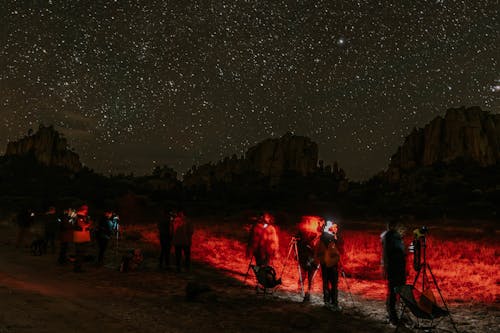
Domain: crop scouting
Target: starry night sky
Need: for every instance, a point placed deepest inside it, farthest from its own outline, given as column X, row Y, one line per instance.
column 134, row 84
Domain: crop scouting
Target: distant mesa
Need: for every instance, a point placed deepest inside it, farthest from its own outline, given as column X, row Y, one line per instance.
column 48, row 147
column 469, row 134
column 271, row 158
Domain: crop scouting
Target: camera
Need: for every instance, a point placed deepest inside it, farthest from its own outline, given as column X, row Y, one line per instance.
column 420, row 232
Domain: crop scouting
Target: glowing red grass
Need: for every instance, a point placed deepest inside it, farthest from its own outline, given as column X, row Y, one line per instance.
column 465, row 270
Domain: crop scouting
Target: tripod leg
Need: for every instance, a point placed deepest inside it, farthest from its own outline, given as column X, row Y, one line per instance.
column 300, row 272
column 290, row 248
column 442, row 298
column 400, row 316
column 314, row 274
column 248, row 270
column 347, row 285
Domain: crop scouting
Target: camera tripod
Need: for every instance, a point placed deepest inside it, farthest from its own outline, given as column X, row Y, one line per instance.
column 292, row 248
column 421, row 266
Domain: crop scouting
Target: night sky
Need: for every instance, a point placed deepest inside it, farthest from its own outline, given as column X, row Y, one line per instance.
column 134, row 84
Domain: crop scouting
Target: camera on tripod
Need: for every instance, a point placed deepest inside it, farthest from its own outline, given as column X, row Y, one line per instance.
column 417, row 245
column 420, row 232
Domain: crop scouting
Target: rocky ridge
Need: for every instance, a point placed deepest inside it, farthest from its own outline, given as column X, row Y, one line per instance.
column 48, row 147
column 271, row 158
column 463, row 133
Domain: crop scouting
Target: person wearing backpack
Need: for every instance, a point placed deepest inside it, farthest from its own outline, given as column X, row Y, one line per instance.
column 328, row 252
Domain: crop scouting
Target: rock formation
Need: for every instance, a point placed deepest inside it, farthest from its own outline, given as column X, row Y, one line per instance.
column 271, row 159
column 290, row 153
column 464, row 133
column 48, row 147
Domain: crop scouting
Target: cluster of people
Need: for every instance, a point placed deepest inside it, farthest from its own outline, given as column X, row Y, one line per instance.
column 72, row 226
column 320, row 247
column 175, row 230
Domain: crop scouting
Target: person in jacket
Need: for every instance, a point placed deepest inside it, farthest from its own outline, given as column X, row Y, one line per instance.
column 65, row 234
column 165, row 231
column 181, row 239
column 263, row 240
column 307, row 238
column 394, row 265
column 51, row 226
column 25, row 219
column 103, row 233
column 81, row 236
column 328, row 252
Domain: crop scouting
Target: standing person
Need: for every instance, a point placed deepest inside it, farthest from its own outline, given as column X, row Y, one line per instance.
column 103, row 233
column 51, row 226
column 394, row 265
column 81, row 236
column 307, row 238
column 328, row 252
column 263, row 240
column 165, row 230
column 181, row 238
column 65, row 234
column 25, row 219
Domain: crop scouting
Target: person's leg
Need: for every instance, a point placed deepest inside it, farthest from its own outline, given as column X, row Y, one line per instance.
column 178, row 257
column 391, row 302
column 334, row 299
column 162, row 252
column 307, row 274
column 168, row 246
column 78, row 257
column 324, row 278
column 63, row 252
column 103, row 245
column 52, row 243
column 187, row 256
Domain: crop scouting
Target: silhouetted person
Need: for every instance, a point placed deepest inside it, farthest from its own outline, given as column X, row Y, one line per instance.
column 182, row 235
column 165, row 231
column 307, row 240
column 65, row 234
column 51, row 227
column 25, row 219
column 394, row 264
column 81, row 235
column 328, row 252
column 263, row 241
column 103, row 233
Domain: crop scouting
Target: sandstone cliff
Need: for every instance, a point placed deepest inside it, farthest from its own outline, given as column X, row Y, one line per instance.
column 48, row 147
column 290, row 153
column 271, row 158
column 463, row 133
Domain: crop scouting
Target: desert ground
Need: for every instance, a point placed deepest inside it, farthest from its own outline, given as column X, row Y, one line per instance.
column 40, row 296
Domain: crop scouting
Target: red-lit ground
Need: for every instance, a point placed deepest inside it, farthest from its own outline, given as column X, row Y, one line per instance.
column 39, row 296
column 466, row 270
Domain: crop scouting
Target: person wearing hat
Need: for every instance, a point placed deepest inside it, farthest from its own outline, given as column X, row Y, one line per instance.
column 328, row 252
